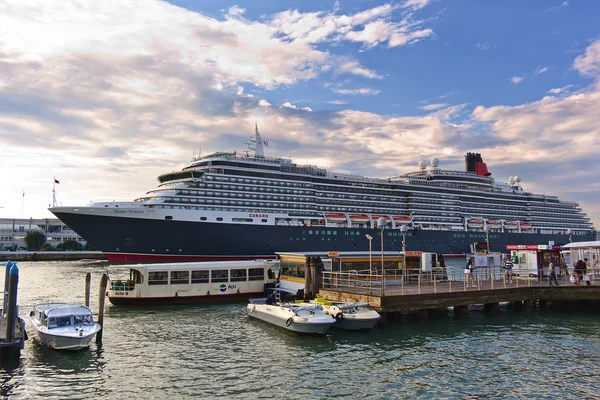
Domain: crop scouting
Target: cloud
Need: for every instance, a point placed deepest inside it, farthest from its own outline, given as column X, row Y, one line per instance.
column 293, row 107
column 588, row 64
column 361, row 91
column 416, row 4
column 236, row 11
column 431, row 107
column 371, row 27
column 557, row 7
column 516, row 79
column 445, row 95
column 563, row 89
column 540, row 70
column 337, row 102
column 482, row 46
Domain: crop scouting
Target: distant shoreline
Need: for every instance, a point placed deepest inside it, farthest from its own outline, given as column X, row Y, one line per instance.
column 51, row 255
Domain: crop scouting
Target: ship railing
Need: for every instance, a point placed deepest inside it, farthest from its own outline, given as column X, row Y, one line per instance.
column 446, row 280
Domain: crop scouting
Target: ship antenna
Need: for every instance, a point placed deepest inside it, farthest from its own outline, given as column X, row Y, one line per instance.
column 256, row 143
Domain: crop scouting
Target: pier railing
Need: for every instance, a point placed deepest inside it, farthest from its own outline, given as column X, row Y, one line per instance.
column 398, row 282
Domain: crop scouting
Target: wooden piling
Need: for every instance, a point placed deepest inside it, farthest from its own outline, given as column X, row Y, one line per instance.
column 88, row 280
column 101, row 297
column 11, row 311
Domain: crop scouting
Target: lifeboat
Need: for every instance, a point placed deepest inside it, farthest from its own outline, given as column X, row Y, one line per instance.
column 401, row 220
column 360, row 218
column 335, row 217
column 510, row 224
column 475, row 223
column 526, row 225
column 494, row 224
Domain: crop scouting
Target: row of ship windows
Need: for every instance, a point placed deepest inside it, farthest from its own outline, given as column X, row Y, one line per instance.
column 415, row 201
column 304, row 185
column 257, row 181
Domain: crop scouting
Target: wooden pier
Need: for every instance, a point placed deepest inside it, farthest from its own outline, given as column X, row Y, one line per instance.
column 418, row 297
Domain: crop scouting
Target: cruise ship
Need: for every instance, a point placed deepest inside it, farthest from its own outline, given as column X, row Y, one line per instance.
column 245, row 205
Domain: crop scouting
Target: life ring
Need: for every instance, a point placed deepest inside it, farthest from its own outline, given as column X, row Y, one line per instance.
column 339, row 316
column 289, row 321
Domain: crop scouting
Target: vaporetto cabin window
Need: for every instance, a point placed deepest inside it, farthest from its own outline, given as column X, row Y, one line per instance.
column 238, row 275
column 256, row 274
column 158, row 278
column 180, row 277
column 200, row 277
column 219, row 275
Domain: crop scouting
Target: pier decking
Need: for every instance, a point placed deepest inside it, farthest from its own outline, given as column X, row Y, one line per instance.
column 415, row 297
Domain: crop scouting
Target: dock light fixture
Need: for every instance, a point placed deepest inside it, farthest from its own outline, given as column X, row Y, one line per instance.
column 381, row 223
column 370, row 238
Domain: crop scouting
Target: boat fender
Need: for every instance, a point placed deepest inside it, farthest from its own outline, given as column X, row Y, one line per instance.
column 289, row 321
column 339, row 316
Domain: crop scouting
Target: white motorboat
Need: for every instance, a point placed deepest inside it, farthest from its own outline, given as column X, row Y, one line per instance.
column 64, row 326
column 302, row 318
column 352, row 316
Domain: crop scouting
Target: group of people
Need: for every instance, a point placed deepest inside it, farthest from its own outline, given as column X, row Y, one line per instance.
column 580, row 272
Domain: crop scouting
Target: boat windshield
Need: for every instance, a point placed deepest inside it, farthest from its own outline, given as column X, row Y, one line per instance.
column 83, row 320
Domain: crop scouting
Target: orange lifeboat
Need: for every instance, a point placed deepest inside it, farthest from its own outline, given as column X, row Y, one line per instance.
column 510, row 224
column 401, row 220
column 475, row 223
column 526, row 225
column 335, row 217
column 494, row 224
column 360, row 218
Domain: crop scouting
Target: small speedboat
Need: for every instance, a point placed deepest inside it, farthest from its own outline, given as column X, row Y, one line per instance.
column 352, row 316
column 302, row 318
column 64, row 326
column 357, row 316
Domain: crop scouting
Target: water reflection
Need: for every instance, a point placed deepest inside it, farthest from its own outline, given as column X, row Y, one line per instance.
column 217, row 351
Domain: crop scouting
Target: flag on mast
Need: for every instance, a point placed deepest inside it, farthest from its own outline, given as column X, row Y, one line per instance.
column 56, row 181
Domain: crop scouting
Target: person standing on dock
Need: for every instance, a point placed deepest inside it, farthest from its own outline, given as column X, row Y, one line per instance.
column 469, row 272
column 552, row 274
column 508, row 266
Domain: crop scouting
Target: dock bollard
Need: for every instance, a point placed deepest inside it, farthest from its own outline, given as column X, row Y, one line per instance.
column 101, row 297
column 11, row 312
column 88, row 279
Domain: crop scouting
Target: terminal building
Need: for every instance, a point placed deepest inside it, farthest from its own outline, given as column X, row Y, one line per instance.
column 14, row 230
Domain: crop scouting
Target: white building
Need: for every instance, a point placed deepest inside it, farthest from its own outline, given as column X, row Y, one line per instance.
column 14, row 230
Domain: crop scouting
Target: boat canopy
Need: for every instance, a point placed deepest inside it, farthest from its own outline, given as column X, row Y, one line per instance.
column 583, row 245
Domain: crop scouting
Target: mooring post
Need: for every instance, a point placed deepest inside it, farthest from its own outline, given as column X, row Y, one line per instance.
column 88, row 280
column 101, row 297
column 6, row 279
column 11, row 312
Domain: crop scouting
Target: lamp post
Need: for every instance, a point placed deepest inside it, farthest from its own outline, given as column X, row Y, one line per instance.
column 487, row 239
column 403, row 230
column 370, row 238
column 570, row 232
column 381, row 223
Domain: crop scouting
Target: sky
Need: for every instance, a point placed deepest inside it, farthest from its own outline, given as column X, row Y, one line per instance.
column 105, row 96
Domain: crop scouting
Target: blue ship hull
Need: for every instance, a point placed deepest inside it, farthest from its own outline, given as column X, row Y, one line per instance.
column 131, row 240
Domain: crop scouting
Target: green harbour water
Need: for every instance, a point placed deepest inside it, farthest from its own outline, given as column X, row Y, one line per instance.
column 209, row 352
